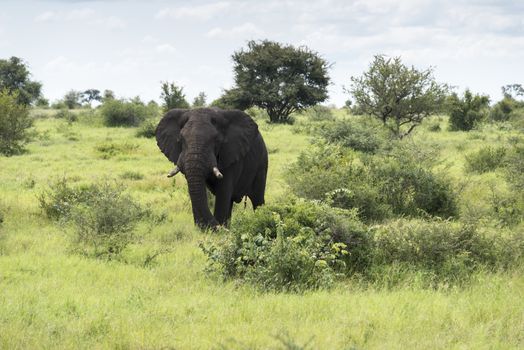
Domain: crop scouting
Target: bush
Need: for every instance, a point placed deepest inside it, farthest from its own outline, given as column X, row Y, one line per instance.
column 14, row 124
column 379, row 186
column 124, row 113
column 485, row 159
column 64, row 113
column 319, row 113
column 467, row 112
column 102, row 215
column 515, row 167
column 147, row 129
column 110, row 149
column 361, row 134
column 502, row 109
column 444, row 251
column 291, row 246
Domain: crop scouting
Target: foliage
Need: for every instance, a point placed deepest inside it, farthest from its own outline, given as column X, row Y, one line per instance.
column 147, row 129
column 110, row 149
column 513, row 90
column 91, row 95
column 360, row 134
column 399, row 96
column 172, row 96
column 73, row 99
column 291, row 246
column 379, row 187
column 125, row 113
column 104, row 217
column 200, row 100
column 14, row 124
column 319, row 113
column 14, row 77
column 445, row 251
column 279, row 78
column 468, row 111
column 515, row 167
column 486, row 159
column 64, row 113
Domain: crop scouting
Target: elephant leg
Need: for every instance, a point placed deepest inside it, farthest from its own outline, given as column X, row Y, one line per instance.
column 223, row 204
column 258, row 190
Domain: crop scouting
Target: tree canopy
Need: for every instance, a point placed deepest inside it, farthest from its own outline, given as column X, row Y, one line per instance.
column 400, row 96
column 173, row 96
column 279, row 78
column 15, row 77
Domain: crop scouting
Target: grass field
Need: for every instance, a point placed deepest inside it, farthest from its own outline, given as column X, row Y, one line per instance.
column 53, row 298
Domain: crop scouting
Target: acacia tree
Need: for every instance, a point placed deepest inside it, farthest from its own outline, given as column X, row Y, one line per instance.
column 400, row 96
column 279, row 78
column 14, row 77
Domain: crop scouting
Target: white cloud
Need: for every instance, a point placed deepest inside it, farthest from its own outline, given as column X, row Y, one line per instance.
column 246, row 30
column 201, row 12
column 165, row 48
column 111, row 22
column 73, row 15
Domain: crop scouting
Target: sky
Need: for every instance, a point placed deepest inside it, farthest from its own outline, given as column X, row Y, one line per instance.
column 131, row 46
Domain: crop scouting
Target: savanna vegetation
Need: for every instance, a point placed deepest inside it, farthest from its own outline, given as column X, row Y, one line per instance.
column 376, row 234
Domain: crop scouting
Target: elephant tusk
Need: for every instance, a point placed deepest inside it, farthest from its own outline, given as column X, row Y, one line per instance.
column 217, row 173
column 173, row 172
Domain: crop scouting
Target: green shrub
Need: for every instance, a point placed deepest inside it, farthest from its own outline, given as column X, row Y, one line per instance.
column 378, row 186
column 110, row 149
column 434, row 127
column 502, row 109
column 467, row 112
column 124, row 113
column 319, row 113
column 65, row 113
column 290, row 246
column 361, row 134
column 515, row 167
column 103, row 216
column 132, row 175
column 444, row 251
column 485, row 159
column 14, row 124
column 147, row 129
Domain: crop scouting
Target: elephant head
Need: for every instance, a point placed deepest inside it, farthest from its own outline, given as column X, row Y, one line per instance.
column 204, row 143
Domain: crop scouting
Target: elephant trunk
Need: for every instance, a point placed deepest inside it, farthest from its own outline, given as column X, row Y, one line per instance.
column 198, row 195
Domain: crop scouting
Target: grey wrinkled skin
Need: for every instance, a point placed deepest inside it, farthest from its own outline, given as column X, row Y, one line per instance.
column 199, row 140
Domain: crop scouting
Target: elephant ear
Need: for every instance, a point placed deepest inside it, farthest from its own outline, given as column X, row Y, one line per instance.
column 168, row 133
column 240, row 133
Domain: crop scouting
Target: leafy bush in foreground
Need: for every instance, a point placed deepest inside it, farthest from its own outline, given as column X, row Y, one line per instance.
column 485, row 159
column 299, row 245
column 14, row 124
column 292, row 246
column 102, row 215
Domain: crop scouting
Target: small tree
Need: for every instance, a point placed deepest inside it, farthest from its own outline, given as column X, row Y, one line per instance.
column 279, row 78
column 14, row 77
column 467, row 111
column 200, row 100
column 513, row 90
column 14, row 124
column 91, row 95
column 400, row 96
column 173, row 96
column 108, row 95
column 72, row 99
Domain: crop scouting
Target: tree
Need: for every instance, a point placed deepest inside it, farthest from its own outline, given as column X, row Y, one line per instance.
column 279, row 78
column 72, row 99
column 91, row 95
column 14, row 123
column 200, row 100
column 400, row 96
column 14, row 76
column 108, row 95
column 467, row 111
column 173, row 96
column 513, row 90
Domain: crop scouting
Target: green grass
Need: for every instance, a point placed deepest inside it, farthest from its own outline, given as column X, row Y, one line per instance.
column 53, row 298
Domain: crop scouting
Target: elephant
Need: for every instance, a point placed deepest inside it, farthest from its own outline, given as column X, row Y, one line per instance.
column 220, row 149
